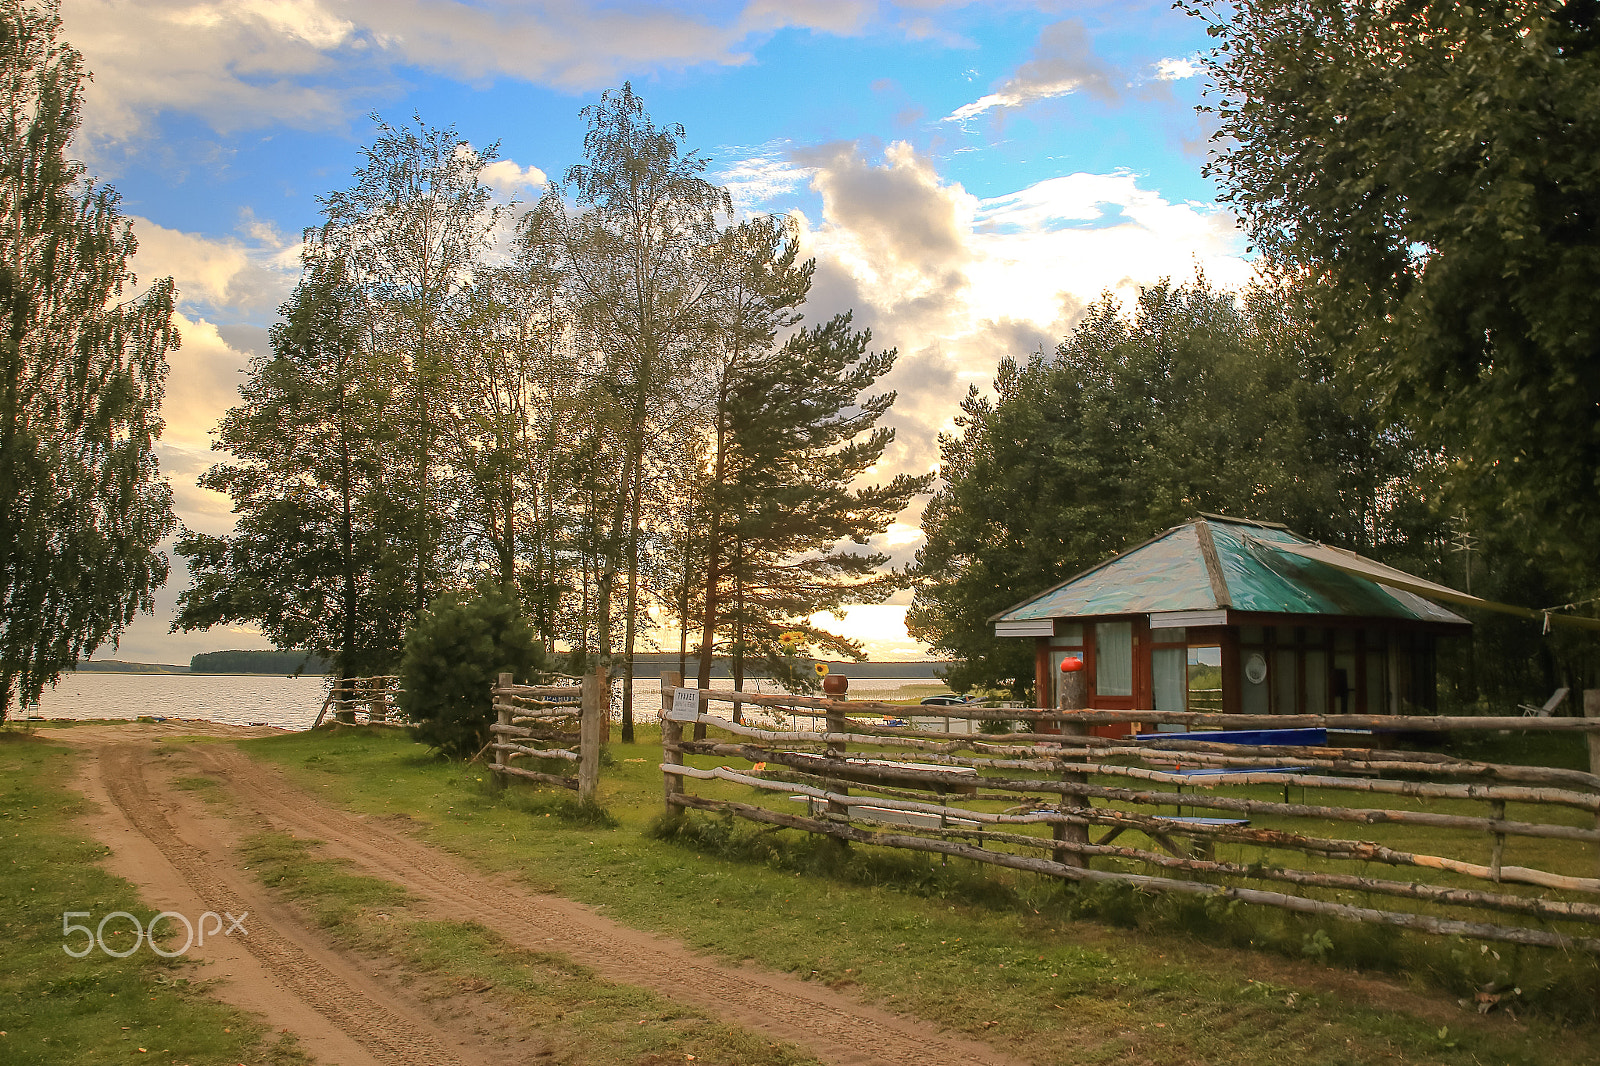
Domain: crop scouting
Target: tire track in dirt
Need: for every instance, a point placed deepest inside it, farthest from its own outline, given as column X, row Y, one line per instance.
column 831, row 1026
column 354, row 1005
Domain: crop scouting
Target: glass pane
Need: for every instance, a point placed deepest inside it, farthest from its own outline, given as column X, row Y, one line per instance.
column 1316, row 682
column 1344, row 683
column 1205, row 678
column 1068, row 635
column 1113, row 658
column 1377, row 682
column 1167, row 673
column 1286, row 682
column 1169, row 636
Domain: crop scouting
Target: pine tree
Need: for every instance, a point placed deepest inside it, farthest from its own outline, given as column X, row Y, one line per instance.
column 803, row 434
column 82, row 369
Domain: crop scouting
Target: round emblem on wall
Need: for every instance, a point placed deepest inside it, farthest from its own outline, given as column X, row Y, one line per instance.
column 1255, row 668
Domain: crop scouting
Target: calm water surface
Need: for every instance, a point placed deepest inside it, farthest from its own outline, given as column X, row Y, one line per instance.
column 285, row 702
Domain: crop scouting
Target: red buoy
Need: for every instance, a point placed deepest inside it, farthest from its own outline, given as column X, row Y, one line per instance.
column 1071, row 664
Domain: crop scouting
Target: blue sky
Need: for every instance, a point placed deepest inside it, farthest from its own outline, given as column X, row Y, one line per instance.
column 968, row 175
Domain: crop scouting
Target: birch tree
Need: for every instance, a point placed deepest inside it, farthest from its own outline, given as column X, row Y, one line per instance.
column 642, row 215
column 82, row 370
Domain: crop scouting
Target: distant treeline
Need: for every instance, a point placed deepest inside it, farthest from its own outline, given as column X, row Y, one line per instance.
column 116, row 666
column 257, row 662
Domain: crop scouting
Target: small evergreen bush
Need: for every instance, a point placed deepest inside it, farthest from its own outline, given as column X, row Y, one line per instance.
column 454, row 653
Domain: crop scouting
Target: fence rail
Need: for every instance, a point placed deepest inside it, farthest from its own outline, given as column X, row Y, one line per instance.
column 1411, row 839
column 553, row 722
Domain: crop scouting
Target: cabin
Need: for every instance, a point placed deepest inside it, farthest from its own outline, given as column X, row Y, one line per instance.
column 1224, row 614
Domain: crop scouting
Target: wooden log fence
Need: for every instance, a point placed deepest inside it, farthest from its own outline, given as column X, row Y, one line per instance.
column 363, row 700
column 553, row 722
column 1095, row 809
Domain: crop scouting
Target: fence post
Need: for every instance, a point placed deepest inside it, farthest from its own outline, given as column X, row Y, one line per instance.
column 837, row 688
column 1074, row 695
column 671, row 738
column 596, row 704
column 1591, row 709
column 503, row 713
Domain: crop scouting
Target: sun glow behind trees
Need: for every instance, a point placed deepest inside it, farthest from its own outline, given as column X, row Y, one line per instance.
column 601, row 403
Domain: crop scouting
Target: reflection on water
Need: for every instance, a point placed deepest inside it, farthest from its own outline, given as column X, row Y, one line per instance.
column 293, row 702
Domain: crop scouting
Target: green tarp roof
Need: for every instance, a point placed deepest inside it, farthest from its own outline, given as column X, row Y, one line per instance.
column 1217, row 563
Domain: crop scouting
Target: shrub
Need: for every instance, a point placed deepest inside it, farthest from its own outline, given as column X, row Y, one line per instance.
column 453, row 655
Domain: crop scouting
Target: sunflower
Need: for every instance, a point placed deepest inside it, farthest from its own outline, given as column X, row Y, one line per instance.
column 791, row 638
column 821, row 669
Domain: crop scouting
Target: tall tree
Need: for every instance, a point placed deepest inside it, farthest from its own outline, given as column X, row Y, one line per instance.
column 319, row 555
column 1432, row 167
column 1198, row 401
column 757, row 287
column 413, row 230
column 631, row 254
column 82, row 368
column 803, row 435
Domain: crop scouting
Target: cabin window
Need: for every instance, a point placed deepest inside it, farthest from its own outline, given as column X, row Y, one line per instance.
column 1377, row 682
column 1168, row 676
column 1113, row 658
column 1068, row 635
column 1316, row 681
column 1285, row 680
column 1205, row 677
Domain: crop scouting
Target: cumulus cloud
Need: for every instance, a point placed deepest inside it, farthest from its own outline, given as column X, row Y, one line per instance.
column 1177, row 69
column 506, row 177
column 307, row 63
column 243, row 277
column 956, row 282
column 1063, row 62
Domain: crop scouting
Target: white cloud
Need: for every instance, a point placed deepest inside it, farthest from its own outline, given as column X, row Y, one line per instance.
column 309, row 63
column 1178, row 69
column 758, row 176
column 505, row 176
column 1063, row 62
column 202, row 385
column 956, row 282
column 880, row 627
column 239, row 278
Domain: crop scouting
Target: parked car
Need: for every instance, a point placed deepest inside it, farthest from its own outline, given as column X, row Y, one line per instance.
column 945, row 701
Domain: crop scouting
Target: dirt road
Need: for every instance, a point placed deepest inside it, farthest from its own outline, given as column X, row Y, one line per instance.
column 343, row 1007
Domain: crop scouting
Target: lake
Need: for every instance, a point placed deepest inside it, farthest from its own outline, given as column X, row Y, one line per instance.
column 293, row 702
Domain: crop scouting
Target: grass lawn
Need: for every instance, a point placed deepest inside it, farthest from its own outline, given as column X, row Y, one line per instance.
column 57, row 1009
column 1051, row 973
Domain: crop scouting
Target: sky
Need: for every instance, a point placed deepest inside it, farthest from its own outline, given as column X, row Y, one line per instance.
column 968, row 176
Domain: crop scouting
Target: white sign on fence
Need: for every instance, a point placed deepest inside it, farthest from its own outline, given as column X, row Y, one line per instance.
column 685, row 705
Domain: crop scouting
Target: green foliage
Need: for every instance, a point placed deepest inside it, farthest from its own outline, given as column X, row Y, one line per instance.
column 801, row 432
column 82, row 369
column 318, row 558
column 1197, row 401
column 1431, row 168
column 453, row 656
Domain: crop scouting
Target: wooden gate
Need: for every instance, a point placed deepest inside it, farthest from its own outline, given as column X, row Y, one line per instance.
column 548, row 722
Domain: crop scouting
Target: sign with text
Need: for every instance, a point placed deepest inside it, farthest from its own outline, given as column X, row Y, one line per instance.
column 685, row 705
